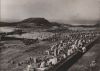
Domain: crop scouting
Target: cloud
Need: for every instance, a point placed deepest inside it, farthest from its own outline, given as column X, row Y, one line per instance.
column 68, row 10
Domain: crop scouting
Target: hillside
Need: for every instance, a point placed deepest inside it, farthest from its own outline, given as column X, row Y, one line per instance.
column 34, row 22
column 42, row 22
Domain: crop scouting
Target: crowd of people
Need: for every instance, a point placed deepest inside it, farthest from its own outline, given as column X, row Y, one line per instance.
column 60, row 50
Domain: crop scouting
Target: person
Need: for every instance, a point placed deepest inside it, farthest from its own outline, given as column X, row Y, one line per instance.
column 79, row 43
column 92, row 65
column 48, row 52
column 74, row 47
column 52, row 47
column 60, row 49
column 29, row 67
column 43, row 64
column 64, row 56
column 64, row 45
column 35, row 60
column 83, row 49
column 53, row 61
column 76, row 42
column 61, row 41
column 55, row 52
column 69, row 52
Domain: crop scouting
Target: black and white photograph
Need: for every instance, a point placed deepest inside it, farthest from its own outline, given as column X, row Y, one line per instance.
column 49, row 35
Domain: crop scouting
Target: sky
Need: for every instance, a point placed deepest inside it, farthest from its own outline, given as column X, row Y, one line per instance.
column 67, row 11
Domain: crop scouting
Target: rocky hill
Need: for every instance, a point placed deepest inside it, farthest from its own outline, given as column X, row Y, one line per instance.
column 34, row 22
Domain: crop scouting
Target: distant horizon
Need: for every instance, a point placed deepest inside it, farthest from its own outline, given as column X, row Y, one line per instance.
column 58, row 21
column 74, row 22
